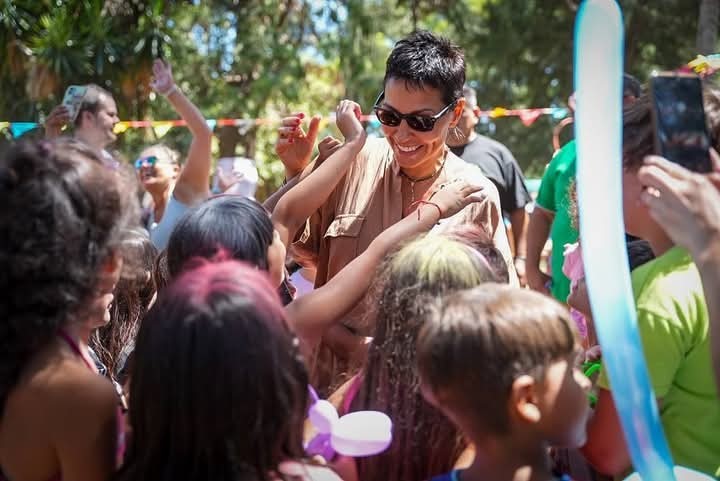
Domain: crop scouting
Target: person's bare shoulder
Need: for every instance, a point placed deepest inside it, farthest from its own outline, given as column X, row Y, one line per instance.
column 79, row 397
column 57, row 401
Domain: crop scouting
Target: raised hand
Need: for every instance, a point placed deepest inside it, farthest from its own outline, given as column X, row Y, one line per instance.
column 228, row 177
column 294, row 146
column 686, row 204
column 55, row 121
column 326, row 147
column 454, row 196
column 347, row 118
column 162, row 81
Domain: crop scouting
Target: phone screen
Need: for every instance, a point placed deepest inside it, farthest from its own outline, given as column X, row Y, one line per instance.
column 680, row 131
column 73, row 99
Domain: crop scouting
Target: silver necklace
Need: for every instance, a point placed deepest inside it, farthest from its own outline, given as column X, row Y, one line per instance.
column 423, row 179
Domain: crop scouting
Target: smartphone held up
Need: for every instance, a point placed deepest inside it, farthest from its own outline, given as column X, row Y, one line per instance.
column 73, row 99
column 681, row 133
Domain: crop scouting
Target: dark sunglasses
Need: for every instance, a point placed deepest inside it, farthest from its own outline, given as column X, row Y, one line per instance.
column 421, row 123
column 150, row 160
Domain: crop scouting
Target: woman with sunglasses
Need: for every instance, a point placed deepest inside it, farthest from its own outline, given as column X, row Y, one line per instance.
column 173, row 189
column 421, row 102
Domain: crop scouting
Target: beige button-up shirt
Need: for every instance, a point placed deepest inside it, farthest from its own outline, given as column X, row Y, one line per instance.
column 369, row 199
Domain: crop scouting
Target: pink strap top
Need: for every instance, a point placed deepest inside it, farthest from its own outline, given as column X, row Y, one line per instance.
column 352, row 391
column 74, row 347
column 120, row 450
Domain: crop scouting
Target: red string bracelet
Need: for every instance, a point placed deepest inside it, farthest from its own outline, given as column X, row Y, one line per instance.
column 425, row 202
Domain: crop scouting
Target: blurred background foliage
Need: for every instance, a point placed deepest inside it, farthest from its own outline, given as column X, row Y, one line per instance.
column 267, row 58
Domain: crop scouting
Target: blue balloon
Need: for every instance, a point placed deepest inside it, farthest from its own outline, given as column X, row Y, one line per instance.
column 598, row 126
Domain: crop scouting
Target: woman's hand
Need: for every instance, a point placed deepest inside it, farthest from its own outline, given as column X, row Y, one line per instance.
column 454, row 196
column 55, row 121
column 162, row 81
column 294, row 146
column 686, row 204
column 228, row 177
column 347, row 118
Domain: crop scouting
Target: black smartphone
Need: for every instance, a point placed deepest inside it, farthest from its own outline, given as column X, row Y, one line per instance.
column 681, row 133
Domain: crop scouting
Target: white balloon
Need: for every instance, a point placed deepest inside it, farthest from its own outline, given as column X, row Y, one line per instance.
column 682, row 474
column 362, row 433
column 323, row 416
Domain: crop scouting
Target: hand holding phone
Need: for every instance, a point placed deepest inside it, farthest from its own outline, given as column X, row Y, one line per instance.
column 72, row 100
column 681, row 133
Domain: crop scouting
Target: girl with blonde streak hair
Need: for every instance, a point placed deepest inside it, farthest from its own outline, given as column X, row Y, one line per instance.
column 424, row 442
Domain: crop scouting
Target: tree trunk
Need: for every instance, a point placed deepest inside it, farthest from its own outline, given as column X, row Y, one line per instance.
column 228, row 138
column 414, row 10
column 249, row 143
column 706, row 41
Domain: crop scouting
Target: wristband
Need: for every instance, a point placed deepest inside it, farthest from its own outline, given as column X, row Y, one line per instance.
column 424, row 202
column 520, row 258
column 172, row 89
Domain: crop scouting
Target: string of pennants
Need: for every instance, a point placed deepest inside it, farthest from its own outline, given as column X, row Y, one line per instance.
column 162, row 127
column 702, row 65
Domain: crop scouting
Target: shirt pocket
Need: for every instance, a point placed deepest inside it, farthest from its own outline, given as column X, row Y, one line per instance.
column 343, row 236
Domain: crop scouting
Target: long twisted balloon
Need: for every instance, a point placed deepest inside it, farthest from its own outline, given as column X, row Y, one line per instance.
column 598, row 126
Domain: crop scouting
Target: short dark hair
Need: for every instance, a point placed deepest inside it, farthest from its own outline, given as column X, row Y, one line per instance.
column 426, row 60
column 220, row 391
column 631, row 86
column 471, row 350
column 639, row 252
column 91, row 101
column 61, row 216
column 237, row 225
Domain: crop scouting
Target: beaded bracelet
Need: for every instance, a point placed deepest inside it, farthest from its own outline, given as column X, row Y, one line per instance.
column 425, row 202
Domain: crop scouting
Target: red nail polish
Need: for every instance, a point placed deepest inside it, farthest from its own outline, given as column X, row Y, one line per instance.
column 301, row 115
column 291, row 141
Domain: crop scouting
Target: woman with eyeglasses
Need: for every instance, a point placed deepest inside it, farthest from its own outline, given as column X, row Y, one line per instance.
column 173, row 189
column 420, row 104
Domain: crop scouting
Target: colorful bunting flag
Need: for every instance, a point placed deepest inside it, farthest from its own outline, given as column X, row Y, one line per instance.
column 162, row 127
column 528, row 117
column 19, row 128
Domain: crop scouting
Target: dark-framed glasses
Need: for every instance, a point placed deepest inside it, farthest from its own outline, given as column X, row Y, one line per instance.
column 421, row 123
column 149, row 161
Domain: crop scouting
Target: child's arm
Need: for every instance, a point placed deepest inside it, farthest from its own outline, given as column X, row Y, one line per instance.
column 192, row 183
column 307, row 196
column 313, row 313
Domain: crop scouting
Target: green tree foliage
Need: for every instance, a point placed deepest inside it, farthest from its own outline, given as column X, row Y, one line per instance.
column 249, row 59
column 519, row 53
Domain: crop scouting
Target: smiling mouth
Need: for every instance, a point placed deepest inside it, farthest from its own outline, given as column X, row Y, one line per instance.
column 407, row 150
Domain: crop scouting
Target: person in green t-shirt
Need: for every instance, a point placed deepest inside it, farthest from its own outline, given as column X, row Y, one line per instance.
column 551, row 215
column 674, row 328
